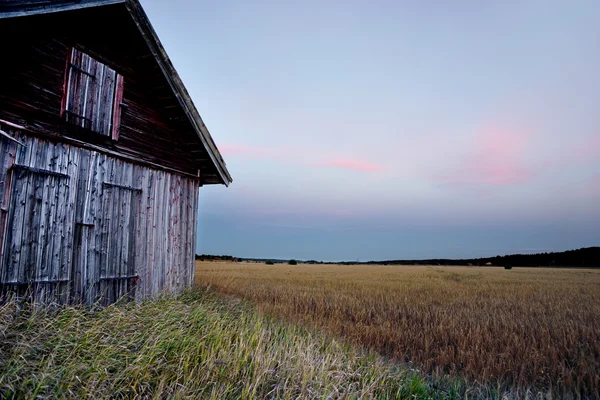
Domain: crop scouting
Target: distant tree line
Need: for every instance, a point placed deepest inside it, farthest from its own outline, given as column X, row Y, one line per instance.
column 210, row 257
column 586, row 257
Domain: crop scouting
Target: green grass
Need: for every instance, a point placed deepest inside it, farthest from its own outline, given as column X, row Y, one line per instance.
column 196, row 346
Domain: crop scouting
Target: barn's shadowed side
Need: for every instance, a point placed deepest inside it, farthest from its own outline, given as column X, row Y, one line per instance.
column 102, row 154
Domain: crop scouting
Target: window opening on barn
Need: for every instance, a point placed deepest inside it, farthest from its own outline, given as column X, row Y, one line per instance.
column 93, row 95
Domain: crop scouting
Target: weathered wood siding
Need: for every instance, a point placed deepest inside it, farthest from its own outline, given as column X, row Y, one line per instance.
column 82, row 226
column 153, row 126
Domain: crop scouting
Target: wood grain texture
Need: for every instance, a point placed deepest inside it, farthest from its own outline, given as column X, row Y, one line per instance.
column 81, row 226
column 153, row 127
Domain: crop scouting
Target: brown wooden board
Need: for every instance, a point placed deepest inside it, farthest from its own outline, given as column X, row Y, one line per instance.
column 153, row 125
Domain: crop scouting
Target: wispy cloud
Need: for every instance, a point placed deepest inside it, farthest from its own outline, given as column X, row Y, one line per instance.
column 299, row 156
column 353, row 165
column 494, row 157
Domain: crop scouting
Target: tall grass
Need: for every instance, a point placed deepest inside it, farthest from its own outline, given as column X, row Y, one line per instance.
column 196, row 346
column 518, row 330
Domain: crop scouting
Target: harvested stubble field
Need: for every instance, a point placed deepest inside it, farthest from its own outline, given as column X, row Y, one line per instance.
column 527, row 330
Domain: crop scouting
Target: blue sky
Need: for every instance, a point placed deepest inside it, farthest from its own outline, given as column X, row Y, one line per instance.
column 378, row 130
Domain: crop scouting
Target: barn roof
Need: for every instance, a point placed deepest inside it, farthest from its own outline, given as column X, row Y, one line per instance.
column 22, row 8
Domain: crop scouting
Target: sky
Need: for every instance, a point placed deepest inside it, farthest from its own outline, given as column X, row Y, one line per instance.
column 373, row 130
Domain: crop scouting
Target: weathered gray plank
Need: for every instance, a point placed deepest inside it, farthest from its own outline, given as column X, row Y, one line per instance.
column 81, row 229
column 17, row 220
column 125, row 232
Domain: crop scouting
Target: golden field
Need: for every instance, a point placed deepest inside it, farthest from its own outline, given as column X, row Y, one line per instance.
column 522, row 329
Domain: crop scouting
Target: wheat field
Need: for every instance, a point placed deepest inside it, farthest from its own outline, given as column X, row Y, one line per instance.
column 526, row 329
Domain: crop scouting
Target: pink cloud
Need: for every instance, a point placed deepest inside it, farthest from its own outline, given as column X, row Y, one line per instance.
column 353, row 165
column 495, row 157
column 297, row 155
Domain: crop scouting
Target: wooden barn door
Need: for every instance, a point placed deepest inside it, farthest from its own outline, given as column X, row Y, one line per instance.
column 38, row 243
column 117, row 274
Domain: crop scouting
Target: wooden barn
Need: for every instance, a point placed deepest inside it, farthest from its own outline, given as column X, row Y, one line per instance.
column 102, row 154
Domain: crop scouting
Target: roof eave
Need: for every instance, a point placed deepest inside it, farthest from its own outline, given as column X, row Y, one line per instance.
column 147, row 31
column 52, row 8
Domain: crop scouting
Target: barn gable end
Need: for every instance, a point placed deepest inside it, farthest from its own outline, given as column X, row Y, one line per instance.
column 102, row 154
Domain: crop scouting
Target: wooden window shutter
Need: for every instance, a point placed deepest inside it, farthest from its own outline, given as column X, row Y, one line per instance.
column 93, row 95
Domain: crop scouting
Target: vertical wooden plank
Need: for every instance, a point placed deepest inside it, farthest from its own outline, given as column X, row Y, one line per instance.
column 163, row 232
column 8, row 153
column 107, row 107
column 89, row 215
column 43, row 220
column 168, row 235
column 82, row 229
column 27, row 240
column 50, row 209
column 149, row 224
column 179, row 253
column 176, row 258
column 75, row 87
column 47, row 223
column 132, row 219
column 27, row 267
column 101, row 72
column 96, row 214
column 141, row 259
column 134, row 235
column 66, row 83
column 127, row 258
column 189, row 264
column 181, row 262
column 117, row 109
column 116, row 233
column 32, row 265
column 154, row 264
column 18, row 204
column 59, row 207
column 194, row 230
column 159, row 264
column 85, row 88
column 114, row 259
column 13, row 234
column 189, row 256
column 91, row 94
column 107, row 221
column 72, row 169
